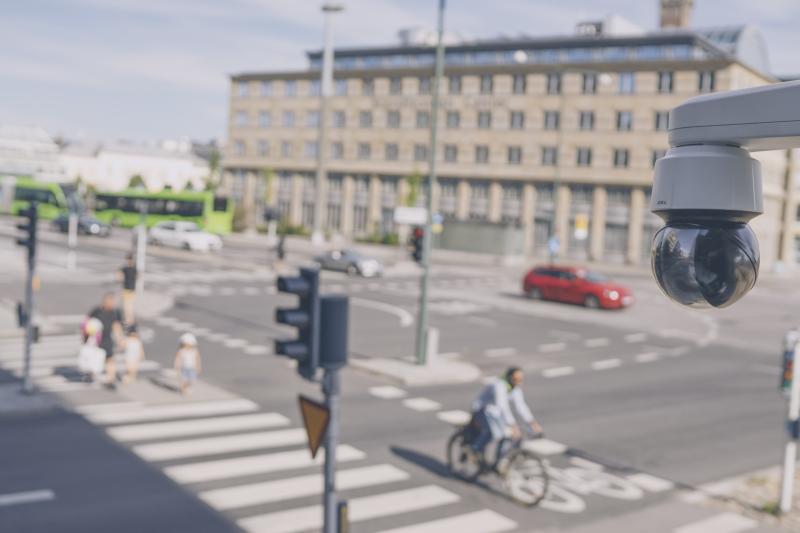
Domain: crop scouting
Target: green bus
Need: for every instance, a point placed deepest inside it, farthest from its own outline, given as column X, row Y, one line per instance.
column 52, row 198
column 124, row 208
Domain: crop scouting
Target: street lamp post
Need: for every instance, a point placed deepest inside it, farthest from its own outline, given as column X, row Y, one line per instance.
column 326, row 83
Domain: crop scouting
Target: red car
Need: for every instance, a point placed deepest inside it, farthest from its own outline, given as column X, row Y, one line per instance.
column 576, row 286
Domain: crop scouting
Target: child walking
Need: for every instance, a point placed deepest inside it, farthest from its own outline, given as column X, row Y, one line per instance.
column 134, row 353
column 187, row 361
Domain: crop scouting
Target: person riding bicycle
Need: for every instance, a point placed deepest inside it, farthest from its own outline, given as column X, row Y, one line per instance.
column 495, row 407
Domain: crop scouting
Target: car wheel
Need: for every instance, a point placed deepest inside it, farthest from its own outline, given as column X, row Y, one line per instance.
column 186, row 246
column 352, row 270
column 591, row 301
column 534, row 293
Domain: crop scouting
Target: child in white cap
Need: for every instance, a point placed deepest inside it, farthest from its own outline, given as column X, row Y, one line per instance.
column 187, row 361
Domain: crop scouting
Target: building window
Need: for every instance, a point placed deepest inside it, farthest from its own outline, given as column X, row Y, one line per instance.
column 624, row 121
column 586, row 120
column 263, row 148
column 392, row 152
column 517, row 120
column 481, row 153
column 423, row 119
column 487, row 84
column 239, row 148
column 288, row 119
column 554, row 83
column 584, row 157
column 243, row 89
column 395, row 86
column 656, row 155
column 665, row 82
column 264, row 119
column 310, row 149
column 589, row 85
column 551, row 120
column 511, row 204
column 341, row 88
column 621, row 156
column 514, row 155
column 479, row 201
column 339, row 119
column 448, row 197
column 484, row 120
column 240, row 118
column 453, row 119
column 313, row 88
column 290, row 88
column 364, row 150
column 662, row 120
column 393, row 119
column 420, row 152
column 549, row 156
column 519, row 84
column 367, row 87
column 627, row 83
column 337, row 150
column 454, row 85
column 312, row 119
column 365, row 119
column 286, row 149
column 705, row 81
column 266, row 88
column 424, row 86
column 450, row 153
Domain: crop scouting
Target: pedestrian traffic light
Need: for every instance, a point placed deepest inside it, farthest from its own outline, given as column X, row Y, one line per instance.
column 305, row 317
column 29, row 241
column 417, row 238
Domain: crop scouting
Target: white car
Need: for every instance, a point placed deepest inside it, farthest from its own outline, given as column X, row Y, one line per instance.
column 184, row 235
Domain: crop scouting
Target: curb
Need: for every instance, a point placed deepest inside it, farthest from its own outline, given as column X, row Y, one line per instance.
column 408, row 374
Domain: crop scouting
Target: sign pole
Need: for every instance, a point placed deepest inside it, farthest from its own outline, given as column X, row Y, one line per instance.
column 790, row 452
column 331, row 388
column 72, row 240
column 27, row 383
column 141, row 247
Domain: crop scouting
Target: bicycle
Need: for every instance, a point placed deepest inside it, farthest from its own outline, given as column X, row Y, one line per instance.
column 523, row 473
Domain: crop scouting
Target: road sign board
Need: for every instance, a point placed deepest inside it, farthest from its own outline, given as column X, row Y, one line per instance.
column 414, row 216
column 581, row 226
column 315, row 418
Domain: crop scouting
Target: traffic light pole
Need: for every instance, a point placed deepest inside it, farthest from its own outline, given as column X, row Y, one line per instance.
column 27, row 384
column 790, row 452
column 331, row 388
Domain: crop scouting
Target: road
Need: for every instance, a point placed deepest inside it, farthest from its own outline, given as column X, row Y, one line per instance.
column 636, row 404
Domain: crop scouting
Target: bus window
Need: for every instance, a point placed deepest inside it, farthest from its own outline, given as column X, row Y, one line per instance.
column 23, row 194
column 220, row 204
column 103, row 202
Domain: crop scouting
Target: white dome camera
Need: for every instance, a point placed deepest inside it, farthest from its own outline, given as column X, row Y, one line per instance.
column 707, row 188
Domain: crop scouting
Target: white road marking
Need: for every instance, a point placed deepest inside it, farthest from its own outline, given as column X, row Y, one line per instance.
column 586, row 464
column 545, row 447
column 251, row 291
column 217, row 337
column 179, row 410
column 635, row 337
column 286, row 489
column 449, row 355
column 422, row 404
column 562, row 334
column 606, row 364
column 360, row 509
column 100, row 407
column 482, row 321
column 596, row 343
column 406, row 318
column 558, row 372
column 500, row 352
column 255, row 349
column 651, row 483
column 200, row 332
column 485, row 521
column 387, row 392
column 31, row 496
column 255, row 464
column 721, row 523
column 678, row 351
column 455, row 417
column 647, row 357
column 182, row 449
column 183, row 428
column 552, row 347
column 234, row 343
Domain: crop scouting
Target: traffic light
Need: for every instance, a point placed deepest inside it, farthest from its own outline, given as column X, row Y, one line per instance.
column 304, row 317
column 787, row 373
column 32, row 214
column 416, row 244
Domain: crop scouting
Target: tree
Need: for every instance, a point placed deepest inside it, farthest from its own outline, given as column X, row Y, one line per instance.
column 189, row 186
column 211, row 182
column 268, row 175
column 414, row 180
column 136, row 182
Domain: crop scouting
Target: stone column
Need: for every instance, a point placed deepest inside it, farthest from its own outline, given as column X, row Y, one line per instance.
column 563, row 198
column 402, row 192
column 636, row 226
column 374, row 206
column 528, row 215
column 348, row 189
column 249, row 201
column 296, row 204
column 462, row 200
column 495, row 201
column 598, row 223
column 274, row 189
column 226, row 186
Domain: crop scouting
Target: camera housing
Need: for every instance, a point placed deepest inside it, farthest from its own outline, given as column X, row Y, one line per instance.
column 706, row 255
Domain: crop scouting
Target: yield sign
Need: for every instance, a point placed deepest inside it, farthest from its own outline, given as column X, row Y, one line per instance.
column 315, row 418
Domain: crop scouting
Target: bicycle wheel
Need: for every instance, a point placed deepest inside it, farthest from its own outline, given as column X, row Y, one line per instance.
column 526, row 478
column 462, row 461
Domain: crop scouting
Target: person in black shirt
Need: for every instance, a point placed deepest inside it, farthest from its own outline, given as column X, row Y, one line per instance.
column 127, row 275
column 109, row 315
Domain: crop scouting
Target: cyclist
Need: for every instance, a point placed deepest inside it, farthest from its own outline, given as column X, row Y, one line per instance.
column 494, row 410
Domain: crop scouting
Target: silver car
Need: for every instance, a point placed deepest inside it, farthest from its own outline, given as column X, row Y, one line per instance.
column 350, row 261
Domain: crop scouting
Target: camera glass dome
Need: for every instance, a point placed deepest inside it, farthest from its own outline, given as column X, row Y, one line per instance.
column 708, row 264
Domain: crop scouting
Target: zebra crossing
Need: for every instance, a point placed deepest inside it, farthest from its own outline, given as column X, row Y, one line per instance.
column 254, row 466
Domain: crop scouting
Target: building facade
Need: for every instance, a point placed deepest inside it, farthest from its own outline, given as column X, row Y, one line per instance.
column 557, row 136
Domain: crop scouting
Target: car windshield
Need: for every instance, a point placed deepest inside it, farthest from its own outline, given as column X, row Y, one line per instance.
column 594, row 277
column 189, row 228
column 352, row 254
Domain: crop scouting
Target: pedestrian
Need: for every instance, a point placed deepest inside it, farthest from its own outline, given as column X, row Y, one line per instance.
column 281, row 248
column 127, row 275
column 91, row 357
column 134, row 353
column 187, row 361
column 111, row 319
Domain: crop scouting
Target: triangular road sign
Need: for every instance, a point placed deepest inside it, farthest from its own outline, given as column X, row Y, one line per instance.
column 315, row 418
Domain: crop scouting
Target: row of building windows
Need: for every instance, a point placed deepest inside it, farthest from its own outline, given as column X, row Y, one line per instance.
column 516, row 119
column 590, row 81
column 549, row 154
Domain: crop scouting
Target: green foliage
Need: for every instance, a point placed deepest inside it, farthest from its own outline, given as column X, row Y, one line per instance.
column 136, row 182
column 389, row 239
column 268, row 175
column 290, row 229
column 414, row 181
column 189, row 186
column 239, row 222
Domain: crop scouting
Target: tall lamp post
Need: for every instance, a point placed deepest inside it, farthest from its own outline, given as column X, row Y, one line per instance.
column 326, row 83
column 422, row 321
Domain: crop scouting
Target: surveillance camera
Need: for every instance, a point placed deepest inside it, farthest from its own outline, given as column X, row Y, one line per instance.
column 707, row 188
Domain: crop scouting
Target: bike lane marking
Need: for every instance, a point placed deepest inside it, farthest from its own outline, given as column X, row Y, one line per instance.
column 33, row 496
column 606, row 364
column 387, row 392
column 558, row 372
column 455, row 417
column 422, row 404
column 651, row 483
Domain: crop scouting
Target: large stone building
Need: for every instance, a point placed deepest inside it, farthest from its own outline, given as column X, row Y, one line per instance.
column 539, row 136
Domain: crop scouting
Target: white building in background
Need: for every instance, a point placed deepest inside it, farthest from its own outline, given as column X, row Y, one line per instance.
column 110, row 166
column 29, row 151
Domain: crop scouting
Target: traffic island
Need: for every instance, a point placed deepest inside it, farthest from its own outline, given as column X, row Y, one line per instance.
column 439, row 371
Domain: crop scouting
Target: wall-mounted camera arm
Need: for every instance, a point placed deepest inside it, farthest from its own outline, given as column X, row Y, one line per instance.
column 759, row 118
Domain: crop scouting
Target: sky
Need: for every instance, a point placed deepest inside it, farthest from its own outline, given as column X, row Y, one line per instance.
column 153, row 69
